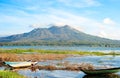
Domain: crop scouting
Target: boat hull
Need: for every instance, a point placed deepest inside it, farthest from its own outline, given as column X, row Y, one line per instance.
column 101, row 71
column 19, row 64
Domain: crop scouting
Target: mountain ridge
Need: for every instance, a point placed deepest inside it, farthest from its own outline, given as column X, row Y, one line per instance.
column 55, row 33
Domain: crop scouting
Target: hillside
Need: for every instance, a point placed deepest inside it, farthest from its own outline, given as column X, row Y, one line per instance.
column 64, row 34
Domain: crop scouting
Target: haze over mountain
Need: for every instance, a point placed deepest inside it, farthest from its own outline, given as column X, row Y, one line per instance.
column 55, row 33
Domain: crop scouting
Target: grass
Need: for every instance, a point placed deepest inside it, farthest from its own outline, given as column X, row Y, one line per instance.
column 20, row 51
column 9, row 74
column 38, row 55
column 42, row 55
column 68, row 66
column 33, row 57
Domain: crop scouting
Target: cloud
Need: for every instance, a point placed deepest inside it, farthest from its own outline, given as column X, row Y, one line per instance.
column 111, row 35
column 80, row 3
column 54, row 16
column 109, row 31
column 60, row 18
column 63, row 17
column 108, row 21
column 58, row 24
column 103, row 34
column 39, row 25
column 35, row 25
column 42, row 15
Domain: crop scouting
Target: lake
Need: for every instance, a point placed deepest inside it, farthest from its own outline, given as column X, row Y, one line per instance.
column 77, row 48
column 107, row 60
column 95, row 60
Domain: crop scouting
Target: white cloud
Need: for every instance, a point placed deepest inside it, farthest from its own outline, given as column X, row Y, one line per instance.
column 35, row 25
column 108, row 21
column 57, row 17
column 60, row 18
column 103, row 34
column 57, row 24
column 111, row 35
column 39, row 25
column 80, row 3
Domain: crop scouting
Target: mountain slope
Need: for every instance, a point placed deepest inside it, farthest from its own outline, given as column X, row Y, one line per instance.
column 55, row 33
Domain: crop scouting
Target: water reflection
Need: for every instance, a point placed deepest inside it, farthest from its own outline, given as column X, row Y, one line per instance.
column 102, row 76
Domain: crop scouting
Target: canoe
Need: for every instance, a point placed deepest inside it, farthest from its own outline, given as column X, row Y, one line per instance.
column 102, row 76
column 20, row 64
column 101, row 71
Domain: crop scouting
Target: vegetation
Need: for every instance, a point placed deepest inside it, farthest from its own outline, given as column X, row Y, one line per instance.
column 9, row 74
column 35, row 57
column 31, row 51
column 67, row 66
column 62, row 43
column 41, row 55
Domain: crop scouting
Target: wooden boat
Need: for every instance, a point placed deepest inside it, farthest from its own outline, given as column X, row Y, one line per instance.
column 19, row 64
column 101, row 71
column 102, row 76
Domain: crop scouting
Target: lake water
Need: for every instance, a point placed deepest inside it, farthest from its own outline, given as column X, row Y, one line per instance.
column 107, row 61
column 77, row 48
column 95, row 60
column 111, row 61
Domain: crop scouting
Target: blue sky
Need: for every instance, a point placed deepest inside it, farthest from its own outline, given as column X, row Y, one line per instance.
column 95, row 17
